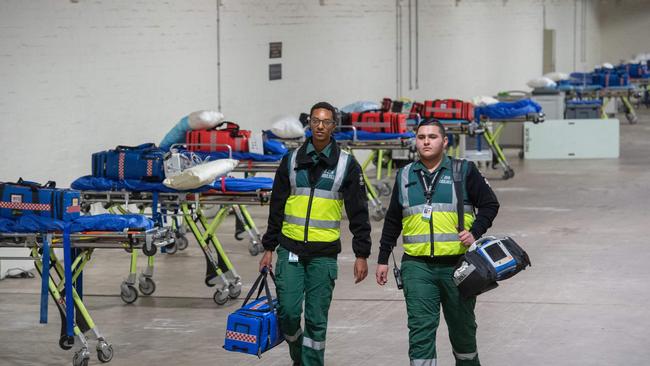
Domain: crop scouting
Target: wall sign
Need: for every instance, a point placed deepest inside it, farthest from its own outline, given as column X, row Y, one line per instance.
column 275, row 49
column 275, row 71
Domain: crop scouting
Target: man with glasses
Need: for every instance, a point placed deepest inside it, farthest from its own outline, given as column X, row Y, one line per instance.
column 310, row 188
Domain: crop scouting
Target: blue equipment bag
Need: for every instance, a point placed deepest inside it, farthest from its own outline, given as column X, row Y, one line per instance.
column 142, row 162
column 30, row 198
column 487, row 261
column 254, row 328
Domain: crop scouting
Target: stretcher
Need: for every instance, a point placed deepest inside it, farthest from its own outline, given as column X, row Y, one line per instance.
column 63, row 279
column 607, row 95
column 493, row 118
column 228, row 194
column 643, row 96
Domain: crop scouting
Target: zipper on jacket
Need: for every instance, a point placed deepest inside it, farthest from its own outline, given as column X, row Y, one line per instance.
column 311, row 198
column 431, row 234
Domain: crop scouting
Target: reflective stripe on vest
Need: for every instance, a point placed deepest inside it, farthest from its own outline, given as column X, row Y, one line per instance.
column 416, row 231
column 326, row 206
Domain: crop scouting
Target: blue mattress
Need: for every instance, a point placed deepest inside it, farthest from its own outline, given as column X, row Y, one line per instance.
column 90, row 183
column 508, row 110
column 273, row 151
column 103, row 222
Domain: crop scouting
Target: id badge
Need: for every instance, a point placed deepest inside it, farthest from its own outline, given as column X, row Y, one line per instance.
column 293, row 257
column 426, row 212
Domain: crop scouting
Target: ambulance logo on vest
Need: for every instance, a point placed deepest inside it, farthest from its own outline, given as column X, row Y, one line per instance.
column 445, row 180
column 328, row 174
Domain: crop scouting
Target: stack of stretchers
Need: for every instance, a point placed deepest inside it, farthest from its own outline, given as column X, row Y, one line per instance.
column 42, row 218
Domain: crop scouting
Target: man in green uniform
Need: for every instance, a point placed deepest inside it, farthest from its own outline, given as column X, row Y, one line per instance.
column 423, row 208
column 309, row 190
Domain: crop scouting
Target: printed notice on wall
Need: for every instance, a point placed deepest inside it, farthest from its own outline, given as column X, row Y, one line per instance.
column 275, row 49
column 275, row 71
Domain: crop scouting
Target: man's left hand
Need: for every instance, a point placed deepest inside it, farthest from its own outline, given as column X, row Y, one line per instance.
column 360, row 269
column 466, row 238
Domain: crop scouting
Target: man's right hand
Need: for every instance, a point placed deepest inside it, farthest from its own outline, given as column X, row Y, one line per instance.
column 267, row 260
column 382, row 274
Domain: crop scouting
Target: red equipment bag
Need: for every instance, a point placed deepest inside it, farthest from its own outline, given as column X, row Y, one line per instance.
column 209, row 140
column 448, row 109
column 379, row 122
column 386, row 104
column 416, row 108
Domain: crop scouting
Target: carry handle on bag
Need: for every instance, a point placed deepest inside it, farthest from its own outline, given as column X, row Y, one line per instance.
column 145, row 146
column 27, row 183
column 230, row 126
column 263, row 285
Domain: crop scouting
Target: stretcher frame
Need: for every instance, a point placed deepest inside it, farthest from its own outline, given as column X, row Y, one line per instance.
column 607, row 95
column 76, row 320
column 220, row 272
column 492, row 129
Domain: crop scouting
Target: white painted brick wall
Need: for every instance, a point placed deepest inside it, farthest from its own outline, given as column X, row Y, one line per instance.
column 77, row 78
column 80, row 77
column 625, row 27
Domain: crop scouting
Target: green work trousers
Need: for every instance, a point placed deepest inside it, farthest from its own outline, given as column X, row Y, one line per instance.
column 310, row 280
column 427, row 286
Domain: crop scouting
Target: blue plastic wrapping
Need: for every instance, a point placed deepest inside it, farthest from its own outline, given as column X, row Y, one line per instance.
column 90, row 183
column 110, row 222
column 176, row 135
column 361, row 106
column 104, row 222
column 507, row 110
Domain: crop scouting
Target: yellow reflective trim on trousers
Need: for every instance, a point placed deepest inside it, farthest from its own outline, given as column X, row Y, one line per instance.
column 444, row 224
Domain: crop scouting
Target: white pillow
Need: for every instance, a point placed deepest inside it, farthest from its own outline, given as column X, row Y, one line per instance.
column 607, row 65
column 287, row 127
column 483, row 101
column 204, row 120
column 557, row 76
column 200, row 175
column 541, row 82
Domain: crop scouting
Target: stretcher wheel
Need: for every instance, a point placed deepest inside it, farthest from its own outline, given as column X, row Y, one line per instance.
column 379, row 214
column 171, row 248
column 385, row 189
column 129, row 294
column 66, row 342
column 104, row 352
column 253, row 249
column 632, row 118
column 509, row 173
column 220, row 297
column 181, row 242
column 147, row 286
column 521, row 154
column 234, row 291
column 149, row 252
column 81, row 358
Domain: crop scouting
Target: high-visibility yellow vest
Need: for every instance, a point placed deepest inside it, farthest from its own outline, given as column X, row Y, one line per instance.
column 437, row 236
column 314, row 213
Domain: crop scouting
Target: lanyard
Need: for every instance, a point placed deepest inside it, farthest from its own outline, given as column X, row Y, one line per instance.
column 429, row 189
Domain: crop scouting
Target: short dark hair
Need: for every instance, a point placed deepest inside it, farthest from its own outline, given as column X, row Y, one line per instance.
column 432, row 122
column 329, row 107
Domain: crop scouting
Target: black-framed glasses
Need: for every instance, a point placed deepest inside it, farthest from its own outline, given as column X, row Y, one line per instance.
column 326, row 122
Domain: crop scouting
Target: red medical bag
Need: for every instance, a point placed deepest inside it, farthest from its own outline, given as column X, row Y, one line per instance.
column 213, row 139
column 448, row 109
column 386, row 122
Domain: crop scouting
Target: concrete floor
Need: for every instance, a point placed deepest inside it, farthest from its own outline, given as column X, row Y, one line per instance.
column 584, row 301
